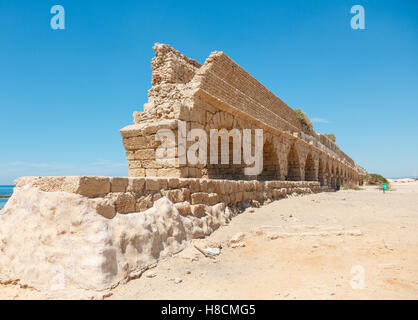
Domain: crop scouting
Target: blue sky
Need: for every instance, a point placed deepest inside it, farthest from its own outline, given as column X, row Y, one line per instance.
column 64, row 94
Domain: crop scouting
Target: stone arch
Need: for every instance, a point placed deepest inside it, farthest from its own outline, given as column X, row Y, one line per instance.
column 327, row 172
column 340, row 182
column 293, row 165
column 223, row 120
column 338, row 177
column 332, row 182
column 321, row 172
column 271, row 166
column 310, row 168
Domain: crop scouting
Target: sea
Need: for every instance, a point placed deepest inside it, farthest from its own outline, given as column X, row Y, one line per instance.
column 5, row 190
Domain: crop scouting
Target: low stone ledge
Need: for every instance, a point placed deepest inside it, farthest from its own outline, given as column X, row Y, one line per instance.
column 87, row 186
column 146, row 128
column 118, row 184
column 94, row 186
column 126, row 195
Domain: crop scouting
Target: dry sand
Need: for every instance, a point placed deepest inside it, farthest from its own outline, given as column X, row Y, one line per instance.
column 296, row 248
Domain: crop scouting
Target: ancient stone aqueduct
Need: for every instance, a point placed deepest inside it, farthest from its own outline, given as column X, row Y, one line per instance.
column 220, row 94
column 92, row 233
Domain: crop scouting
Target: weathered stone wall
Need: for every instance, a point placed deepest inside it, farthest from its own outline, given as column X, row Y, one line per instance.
column 68, row 236
column 91, row 233
column 191, row 196
column 220, row 94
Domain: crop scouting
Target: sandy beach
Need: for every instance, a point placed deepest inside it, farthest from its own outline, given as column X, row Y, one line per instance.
column 311, row 247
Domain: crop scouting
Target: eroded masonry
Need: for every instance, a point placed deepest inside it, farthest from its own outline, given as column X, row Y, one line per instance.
column 221, row 95
column 71, row 236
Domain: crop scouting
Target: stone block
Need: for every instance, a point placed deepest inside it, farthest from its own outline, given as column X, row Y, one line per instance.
column 135, row 143
column 220, row 186
column 185, row 194
column 199, row 197
column 130, row 155
column 248, row 195
column 151, row 142
column 258, row 185
column 93, row 186
column 156, row 196
column 194, row 172
column 211, row 186
column 170, row 172
column 152, row 184
column 132, row 131
column 213, row 199
column 144, row 154
column 176, row 195
column 194, row 185
column 105, row 207
column 137, row 172
column 198, row 210
column 153, row 127
column 136, row 185
column 124, row 202
column 241, row 185
column 118, row 184
column 268, row 185
column 234, row 197
column 226, row 199
column 151, row 172
column 203, row 185
column 235, row 186
column 143, row 203
column 173, row 183
column 228, row 186
column 183, row 208
column 147, row 164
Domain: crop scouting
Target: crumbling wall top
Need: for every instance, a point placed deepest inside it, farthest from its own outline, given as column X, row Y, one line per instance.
column 184, row 89
column 171, row 66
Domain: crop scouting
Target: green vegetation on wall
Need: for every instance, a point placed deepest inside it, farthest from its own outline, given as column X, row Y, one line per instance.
column 303, row 118
column 331, row 136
